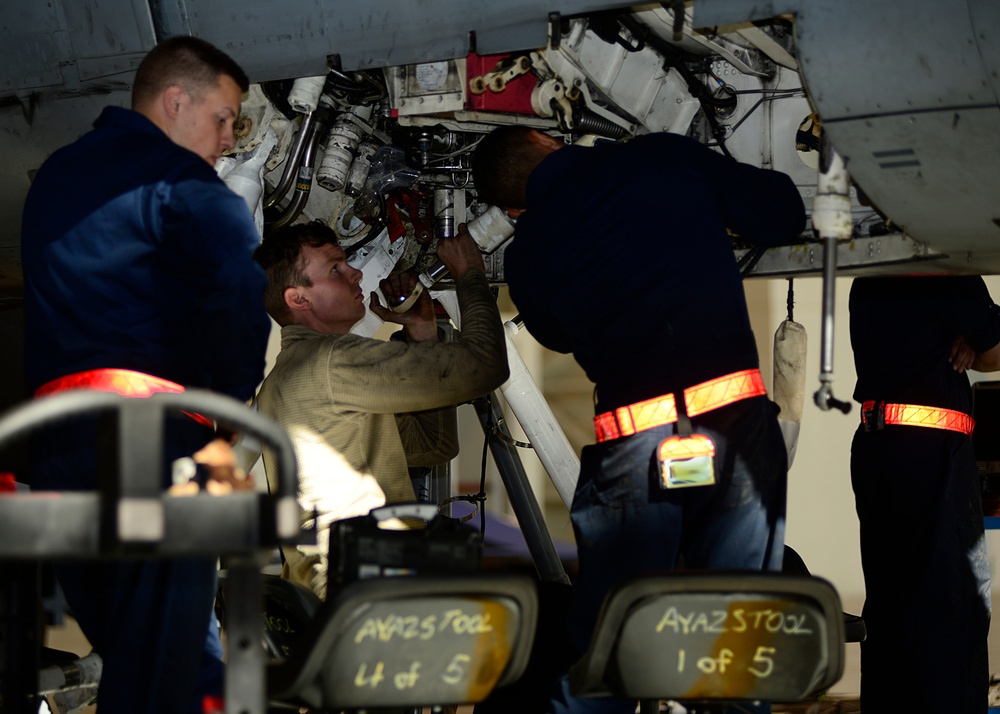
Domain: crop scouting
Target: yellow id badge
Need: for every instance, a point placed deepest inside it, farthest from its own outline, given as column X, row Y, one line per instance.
column 687, row 461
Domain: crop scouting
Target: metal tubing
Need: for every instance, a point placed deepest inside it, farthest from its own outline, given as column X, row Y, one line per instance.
column 829, row 303
column 522, row 498
column 292, row 163
column 304, row 184
column 832, row 221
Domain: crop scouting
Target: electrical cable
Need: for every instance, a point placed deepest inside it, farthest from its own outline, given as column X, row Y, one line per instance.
column 478, row 499
column 468, row 148
column 752, row 109
column 677, row 59
column 482, row 478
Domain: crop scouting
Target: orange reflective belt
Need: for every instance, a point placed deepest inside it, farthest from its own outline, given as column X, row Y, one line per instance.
column 701, row 398
column 125, row 382
column 875, row 415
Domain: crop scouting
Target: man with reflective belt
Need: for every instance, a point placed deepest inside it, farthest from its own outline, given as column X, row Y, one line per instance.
column 139, row 278
column 918, row 497
column 622, row 256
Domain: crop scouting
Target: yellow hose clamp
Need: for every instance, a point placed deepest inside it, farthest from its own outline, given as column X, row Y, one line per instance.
column 687, row 461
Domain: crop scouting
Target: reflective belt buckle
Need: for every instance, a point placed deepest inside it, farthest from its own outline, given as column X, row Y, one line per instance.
column 686, row 461
column 873, row 415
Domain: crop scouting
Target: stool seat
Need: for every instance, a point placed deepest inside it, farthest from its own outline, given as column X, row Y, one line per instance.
column 734, row 637
column 411, row 642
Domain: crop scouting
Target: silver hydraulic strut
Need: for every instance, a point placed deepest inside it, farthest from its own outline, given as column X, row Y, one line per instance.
column 832, row 222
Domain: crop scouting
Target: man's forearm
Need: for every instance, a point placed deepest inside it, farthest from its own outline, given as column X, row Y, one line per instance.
column 988, row 361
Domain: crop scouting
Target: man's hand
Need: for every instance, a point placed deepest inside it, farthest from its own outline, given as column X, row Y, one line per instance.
column 224, row 475
column 962, row 356
column 419, row 321
column 460, row 254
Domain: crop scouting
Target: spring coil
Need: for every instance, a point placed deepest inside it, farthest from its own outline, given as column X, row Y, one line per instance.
column 591, row 123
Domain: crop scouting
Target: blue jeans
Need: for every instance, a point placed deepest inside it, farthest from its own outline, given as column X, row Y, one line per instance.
column 626, row 525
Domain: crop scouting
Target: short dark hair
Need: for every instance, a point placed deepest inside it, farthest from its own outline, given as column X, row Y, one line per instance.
column 190, row 62
column 501, row 165
column 280, row 254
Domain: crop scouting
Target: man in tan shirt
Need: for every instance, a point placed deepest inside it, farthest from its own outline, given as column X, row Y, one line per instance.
column 360, row 411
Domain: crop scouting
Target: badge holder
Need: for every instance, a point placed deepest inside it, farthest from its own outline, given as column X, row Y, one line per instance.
column 686, row 459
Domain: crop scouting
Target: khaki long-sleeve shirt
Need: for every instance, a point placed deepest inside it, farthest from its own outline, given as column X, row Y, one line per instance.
column 360, row 411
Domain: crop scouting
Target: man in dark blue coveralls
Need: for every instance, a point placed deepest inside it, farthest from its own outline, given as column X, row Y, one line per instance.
column 917, row 491
column 622, row 256
column 137, row 257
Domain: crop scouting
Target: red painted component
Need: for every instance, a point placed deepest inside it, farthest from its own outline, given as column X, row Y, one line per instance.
column 514, row 99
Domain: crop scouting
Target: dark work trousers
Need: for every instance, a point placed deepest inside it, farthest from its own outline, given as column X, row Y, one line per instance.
column 627, row 526
column 151, row 621
column 927, row 581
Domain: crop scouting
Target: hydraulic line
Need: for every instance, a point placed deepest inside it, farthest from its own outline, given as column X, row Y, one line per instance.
column 291, row 165
column 832, row 221
column 303, row 184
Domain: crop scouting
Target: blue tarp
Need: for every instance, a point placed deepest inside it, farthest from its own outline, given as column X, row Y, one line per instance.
column 504, row 539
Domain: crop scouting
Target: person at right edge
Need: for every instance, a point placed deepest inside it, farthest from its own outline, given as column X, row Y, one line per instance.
column 917, row 492
column 622, row 255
